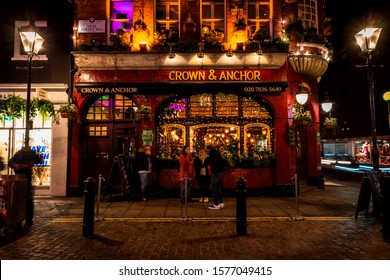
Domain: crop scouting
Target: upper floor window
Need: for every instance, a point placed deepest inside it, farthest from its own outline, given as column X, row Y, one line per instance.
column 307, row 13
column 19, row 53
column 121, row 15
column 259, row 15
column 213, row 15
column 167, row 15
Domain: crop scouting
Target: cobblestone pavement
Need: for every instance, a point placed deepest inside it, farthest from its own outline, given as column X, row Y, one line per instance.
column 323, row 228
column 270, row 239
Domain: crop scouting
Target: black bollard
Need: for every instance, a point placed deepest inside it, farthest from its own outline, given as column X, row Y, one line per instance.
column 88, row 219
column 241, row 206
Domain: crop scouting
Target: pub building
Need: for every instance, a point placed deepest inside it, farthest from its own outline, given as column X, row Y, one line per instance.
column 239, row 97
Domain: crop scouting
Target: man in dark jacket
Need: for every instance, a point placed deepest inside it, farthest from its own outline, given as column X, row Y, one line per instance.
column 22, row 163
column 216, row 167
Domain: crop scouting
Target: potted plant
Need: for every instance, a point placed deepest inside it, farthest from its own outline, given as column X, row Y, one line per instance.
column 294, row 30
column 139, row 24
column 239, row 24
column 301, row 116
column 42, row 106
column 15, row 106
column 189, row 25
column 68, row 111
column 330, row 122
column 145, row 113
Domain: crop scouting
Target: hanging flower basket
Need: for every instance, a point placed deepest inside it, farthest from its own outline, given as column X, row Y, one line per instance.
column 68, row 111
column 68, row 115
column 145, row 113
column 301, row 122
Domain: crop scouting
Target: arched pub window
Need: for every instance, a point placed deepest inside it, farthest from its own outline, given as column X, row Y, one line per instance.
column 238, row 124
column 112, row 107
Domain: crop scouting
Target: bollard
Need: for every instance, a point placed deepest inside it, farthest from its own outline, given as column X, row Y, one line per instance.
column 88, row 219
column 241, row 206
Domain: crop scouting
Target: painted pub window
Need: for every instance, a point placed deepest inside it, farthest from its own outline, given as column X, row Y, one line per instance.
column 121, row 15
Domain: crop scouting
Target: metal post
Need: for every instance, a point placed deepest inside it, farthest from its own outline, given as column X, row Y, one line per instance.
column 28, row 103
column 241, row 220
column 374, row 149
column 185, row 197
column 97, row 218
column 88, row 219
column 298, row 217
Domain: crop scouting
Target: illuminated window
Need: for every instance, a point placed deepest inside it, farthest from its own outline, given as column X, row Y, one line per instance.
column 121, row 13
column 307, row 13
column 167, row 15
column 213, row 16
column 239, row 124
column 121, row 107
column 97, row 130
column 259, row 15
column 201, row 105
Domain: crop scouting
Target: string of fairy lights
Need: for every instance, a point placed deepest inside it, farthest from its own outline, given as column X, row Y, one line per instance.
column 237, row 123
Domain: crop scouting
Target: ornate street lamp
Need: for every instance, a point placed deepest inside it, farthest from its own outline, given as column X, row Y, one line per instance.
column 367, row 40
column 32, row 43
column 302, row 95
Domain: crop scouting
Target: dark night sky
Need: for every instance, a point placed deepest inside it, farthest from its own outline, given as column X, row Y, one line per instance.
column 345, row 83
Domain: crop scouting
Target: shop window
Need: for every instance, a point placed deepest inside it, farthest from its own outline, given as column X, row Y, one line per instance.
column 201, row 105
column 121, row 15
column 256, row 137
column 259, row 15
column 216, row 135
column 226, row 105
column 238, row 125
column 213, row 16
column 252, row 109
column 167, row 15
column 171, row 140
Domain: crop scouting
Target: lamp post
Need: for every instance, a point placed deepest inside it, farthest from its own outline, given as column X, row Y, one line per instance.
column 367, row 39
column 32, row 43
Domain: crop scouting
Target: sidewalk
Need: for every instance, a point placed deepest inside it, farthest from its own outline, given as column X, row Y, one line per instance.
column 322, row 227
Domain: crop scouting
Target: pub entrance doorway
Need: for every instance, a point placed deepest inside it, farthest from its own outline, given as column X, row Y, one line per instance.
column 111, row 131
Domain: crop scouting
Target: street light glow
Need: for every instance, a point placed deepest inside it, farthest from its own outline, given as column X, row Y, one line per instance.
column 367, row 38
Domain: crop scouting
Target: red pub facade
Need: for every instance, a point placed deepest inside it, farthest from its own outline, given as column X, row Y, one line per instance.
column 239, row 98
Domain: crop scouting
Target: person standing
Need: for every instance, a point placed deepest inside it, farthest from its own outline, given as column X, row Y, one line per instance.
column 202, row 176
column 216, row 167
column 143, row 164
column 22, row 163
column 186, row 172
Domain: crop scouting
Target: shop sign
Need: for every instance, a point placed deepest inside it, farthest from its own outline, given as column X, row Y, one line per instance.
column 107, row 90
column 214, row 75
column 92, row 26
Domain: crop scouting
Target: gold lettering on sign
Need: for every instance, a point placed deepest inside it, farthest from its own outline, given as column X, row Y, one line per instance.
column 212, row 75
